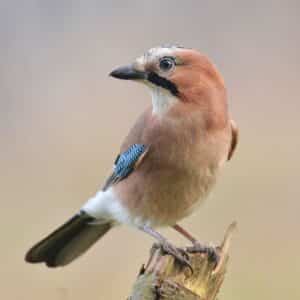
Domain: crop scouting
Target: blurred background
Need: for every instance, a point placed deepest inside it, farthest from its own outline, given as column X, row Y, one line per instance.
column 62, row 120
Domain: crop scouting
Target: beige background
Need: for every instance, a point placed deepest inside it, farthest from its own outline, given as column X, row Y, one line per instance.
column 62, row 120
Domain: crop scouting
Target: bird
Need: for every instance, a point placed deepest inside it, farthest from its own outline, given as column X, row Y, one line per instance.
column 168, row 163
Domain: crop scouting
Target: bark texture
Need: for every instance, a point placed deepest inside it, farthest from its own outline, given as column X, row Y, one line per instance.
column 164, row 278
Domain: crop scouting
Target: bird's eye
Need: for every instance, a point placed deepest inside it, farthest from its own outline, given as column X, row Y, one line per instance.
column 166, row 63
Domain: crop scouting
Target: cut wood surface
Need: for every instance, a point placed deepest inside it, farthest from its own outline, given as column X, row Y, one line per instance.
column 162, row 277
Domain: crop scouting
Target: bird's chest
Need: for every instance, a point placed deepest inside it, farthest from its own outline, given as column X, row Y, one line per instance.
column 174, row 177
column 180, row 149
column 174, row 189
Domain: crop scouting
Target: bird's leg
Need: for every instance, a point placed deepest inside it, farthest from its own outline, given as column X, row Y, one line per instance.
column 185, row 233
column 179, row 254
column 212, row 252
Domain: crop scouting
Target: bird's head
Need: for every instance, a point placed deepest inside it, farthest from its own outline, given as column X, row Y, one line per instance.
column 176, row 75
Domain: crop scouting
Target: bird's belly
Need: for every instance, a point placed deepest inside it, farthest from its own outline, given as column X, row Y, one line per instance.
column 166, row 197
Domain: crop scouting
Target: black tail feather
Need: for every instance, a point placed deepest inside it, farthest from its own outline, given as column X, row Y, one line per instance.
column 67, row 242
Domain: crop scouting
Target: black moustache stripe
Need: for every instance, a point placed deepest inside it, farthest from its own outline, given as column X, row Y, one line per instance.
column 163, row 82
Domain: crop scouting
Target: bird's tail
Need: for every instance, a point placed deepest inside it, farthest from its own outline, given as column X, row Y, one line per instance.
column 68, row 242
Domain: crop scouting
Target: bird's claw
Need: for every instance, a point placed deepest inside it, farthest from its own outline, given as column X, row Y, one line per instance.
column 179, row 254
column 212, row 252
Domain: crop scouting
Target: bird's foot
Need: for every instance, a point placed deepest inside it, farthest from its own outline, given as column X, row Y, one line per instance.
column 179, row 254
column 212, row 252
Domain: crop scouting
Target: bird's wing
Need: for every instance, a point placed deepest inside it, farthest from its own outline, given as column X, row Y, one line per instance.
column 126, row 163
column 234, row 138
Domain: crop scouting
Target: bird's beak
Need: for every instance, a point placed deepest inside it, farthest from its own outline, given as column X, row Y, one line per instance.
column 128, row 73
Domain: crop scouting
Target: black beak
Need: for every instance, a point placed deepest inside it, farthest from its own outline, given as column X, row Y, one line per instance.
column 128, row 73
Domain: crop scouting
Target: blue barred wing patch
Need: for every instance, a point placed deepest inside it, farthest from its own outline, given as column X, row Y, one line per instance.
column 125, row 163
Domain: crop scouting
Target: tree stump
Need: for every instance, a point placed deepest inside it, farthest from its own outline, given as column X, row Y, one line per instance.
column 164, row 278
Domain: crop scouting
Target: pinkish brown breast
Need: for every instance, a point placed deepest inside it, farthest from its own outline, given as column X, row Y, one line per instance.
column 179, row 170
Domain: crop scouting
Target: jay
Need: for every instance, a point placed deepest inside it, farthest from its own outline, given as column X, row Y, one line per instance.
column 168, row 163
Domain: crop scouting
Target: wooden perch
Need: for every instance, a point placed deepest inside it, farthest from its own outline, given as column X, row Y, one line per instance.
column 164, row 278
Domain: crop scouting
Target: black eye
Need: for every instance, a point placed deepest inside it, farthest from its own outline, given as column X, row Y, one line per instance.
column 166, row 64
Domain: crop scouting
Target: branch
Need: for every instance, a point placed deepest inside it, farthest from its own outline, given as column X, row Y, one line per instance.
column 164, row 278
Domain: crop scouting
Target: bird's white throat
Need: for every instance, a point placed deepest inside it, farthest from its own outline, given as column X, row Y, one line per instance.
column 162, row 100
